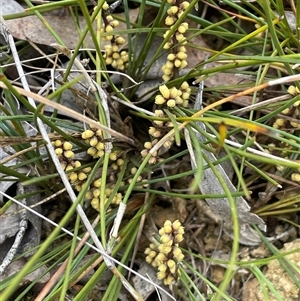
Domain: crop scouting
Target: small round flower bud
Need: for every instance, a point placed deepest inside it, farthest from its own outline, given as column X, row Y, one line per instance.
column 159, row 100
column 58, row 151
column 73, row 176
column 169, row 280
column 171, row 103
column 57, row 143
column 165, row 92
column 81, row 176
column 68, row 154
column 170, row 20
column 93, row 141
column 171, row 57
column 161, row 275
column 92, row 151
column 295, row 177
column 172, row 10
column 165, row 238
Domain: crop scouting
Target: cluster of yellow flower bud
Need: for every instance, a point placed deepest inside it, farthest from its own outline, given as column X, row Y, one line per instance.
column 176, row 59
column 94, row 195
column 66, row 157
column 173, row 96
column 166, row 255
column 113, row 55
column 147, row 146
column 94, row 138
column 291, row 112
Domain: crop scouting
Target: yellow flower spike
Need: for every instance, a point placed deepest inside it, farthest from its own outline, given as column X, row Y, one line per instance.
column 164, row 90
column 159, row 99
column 171, row 103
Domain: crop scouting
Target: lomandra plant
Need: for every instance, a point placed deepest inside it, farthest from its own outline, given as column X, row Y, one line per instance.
column 111, row 162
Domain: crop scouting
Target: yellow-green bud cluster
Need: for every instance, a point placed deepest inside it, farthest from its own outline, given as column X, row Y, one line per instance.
column 147, row 147
column 66, row 157
column 291, row 112
column 113, row 55
column 173, row 96
column 93, row 137
column 167, row 255
column 118, row 162
column 63, row 150
column 94, row 195
column 177, row 60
